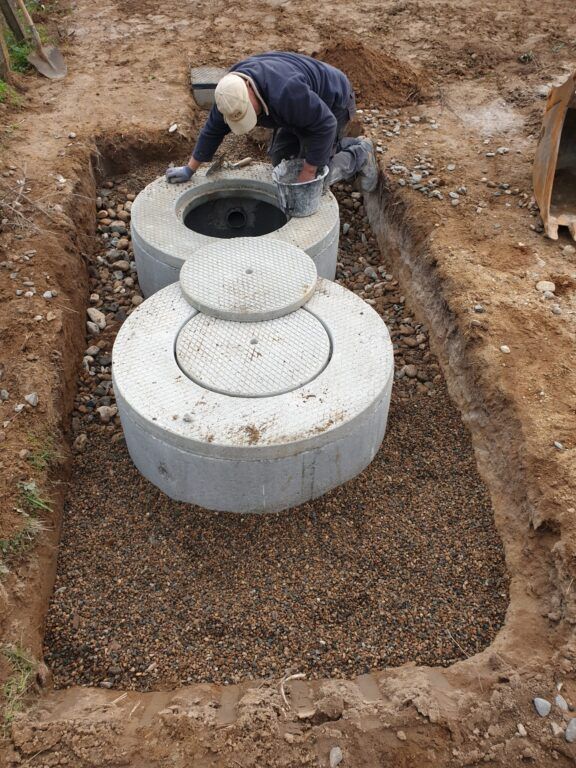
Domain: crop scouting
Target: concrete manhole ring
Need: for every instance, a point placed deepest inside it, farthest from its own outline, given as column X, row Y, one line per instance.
column 260, row 453
column 235, row 202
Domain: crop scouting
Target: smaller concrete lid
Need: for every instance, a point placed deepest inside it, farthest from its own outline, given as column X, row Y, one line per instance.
column 258, row 359
column 248, row 279
column 206, row 76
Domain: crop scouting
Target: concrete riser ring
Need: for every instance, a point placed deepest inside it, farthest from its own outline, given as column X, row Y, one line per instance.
column 154, row 274
column 162, row 242
column 281, row 483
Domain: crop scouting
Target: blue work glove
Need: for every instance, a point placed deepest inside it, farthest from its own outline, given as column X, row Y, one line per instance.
column 179, row 175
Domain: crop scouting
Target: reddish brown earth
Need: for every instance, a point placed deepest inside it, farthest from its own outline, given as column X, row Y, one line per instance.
column 488, row 65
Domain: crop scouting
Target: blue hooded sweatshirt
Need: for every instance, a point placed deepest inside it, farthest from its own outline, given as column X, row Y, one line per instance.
column 301, row 95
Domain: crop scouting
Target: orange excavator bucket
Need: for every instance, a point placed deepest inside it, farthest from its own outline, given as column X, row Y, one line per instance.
column 554, row 173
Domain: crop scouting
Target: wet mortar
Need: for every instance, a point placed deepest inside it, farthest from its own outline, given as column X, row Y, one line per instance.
column 401, row 564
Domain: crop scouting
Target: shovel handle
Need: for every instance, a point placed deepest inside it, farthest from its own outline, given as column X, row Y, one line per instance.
column 30, row 23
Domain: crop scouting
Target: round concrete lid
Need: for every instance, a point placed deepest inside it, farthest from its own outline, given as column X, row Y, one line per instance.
column 156, row 395
column 248, row 279
column 258, row 359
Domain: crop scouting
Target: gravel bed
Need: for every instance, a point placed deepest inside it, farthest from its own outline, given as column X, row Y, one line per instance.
column 401, row 564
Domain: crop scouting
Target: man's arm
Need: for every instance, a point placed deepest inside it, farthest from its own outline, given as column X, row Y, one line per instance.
column 210, row 138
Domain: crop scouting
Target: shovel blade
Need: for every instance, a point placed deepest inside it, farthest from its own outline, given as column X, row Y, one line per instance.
column 49, row 62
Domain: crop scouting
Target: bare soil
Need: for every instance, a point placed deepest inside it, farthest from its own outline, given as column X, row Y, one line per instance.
column 489, row 64
column 377, row 77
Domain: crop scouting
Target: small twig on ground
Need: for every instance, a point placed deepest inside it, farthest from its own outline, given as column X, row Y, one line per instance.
column 27, row 762
column 467, row 656
column 458, row 644
column 297, row 676
column 22, row 185
column 38, row 207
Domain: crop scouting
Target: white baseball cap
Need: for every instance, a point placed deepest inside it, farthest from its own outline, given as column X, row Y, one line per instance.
column 234, row 103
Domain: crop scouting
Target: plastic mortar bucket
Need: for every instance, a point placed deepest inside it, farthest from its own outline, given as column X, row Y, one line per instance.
column 295, row 198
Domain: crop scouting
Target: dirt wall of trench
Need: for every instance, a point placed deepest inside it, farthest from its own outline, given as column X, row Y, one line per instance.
column 495, row 424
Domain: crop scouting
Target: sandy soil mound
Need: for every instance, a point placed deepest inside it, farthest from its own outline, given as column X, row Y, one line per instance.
column 377, row 76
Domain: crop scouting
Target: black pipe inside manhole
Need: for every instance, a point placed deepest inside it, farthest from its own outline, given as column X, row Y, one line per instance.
column 234, row 216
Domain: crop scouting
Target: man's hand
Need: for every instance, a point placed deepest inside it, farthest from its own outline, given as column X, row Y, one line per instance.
column 308, row 173
column 179, row 175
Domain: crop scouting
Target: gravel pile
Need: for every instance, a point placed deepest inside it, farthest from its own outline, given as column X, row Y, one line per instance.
column 401, row 564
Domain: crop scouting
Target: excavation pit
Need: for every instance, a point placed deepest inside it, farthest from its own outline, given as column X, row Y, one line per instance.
column 226, row 216
column 402, row 564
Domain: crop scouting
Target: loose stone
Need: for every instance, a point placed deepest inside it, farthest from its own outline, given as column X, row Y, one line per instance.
column 561, row 702
column 570, row 734
column 96, row 317
column 32, row 399
column 505, row 349
column 106, row 413
column 521, row 730
column 411, row 371
column 401, row 735
column 545, row 285
column 336, row 757
column 556, row 729
column 79, row 443
column 542, row 706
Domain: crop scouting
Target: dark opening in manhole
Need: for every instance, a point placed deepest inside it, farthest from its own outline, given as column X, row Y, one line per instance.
column 234, row 215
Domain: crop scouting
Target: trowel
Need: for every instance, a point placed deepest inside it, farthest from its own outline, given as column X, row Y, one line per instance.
column 554, row 172
column 216, row 165
column 46, row 59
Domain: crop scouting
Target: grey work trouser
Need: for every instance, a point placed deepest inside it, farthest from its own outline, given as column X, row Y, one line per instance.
column 347, row 157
